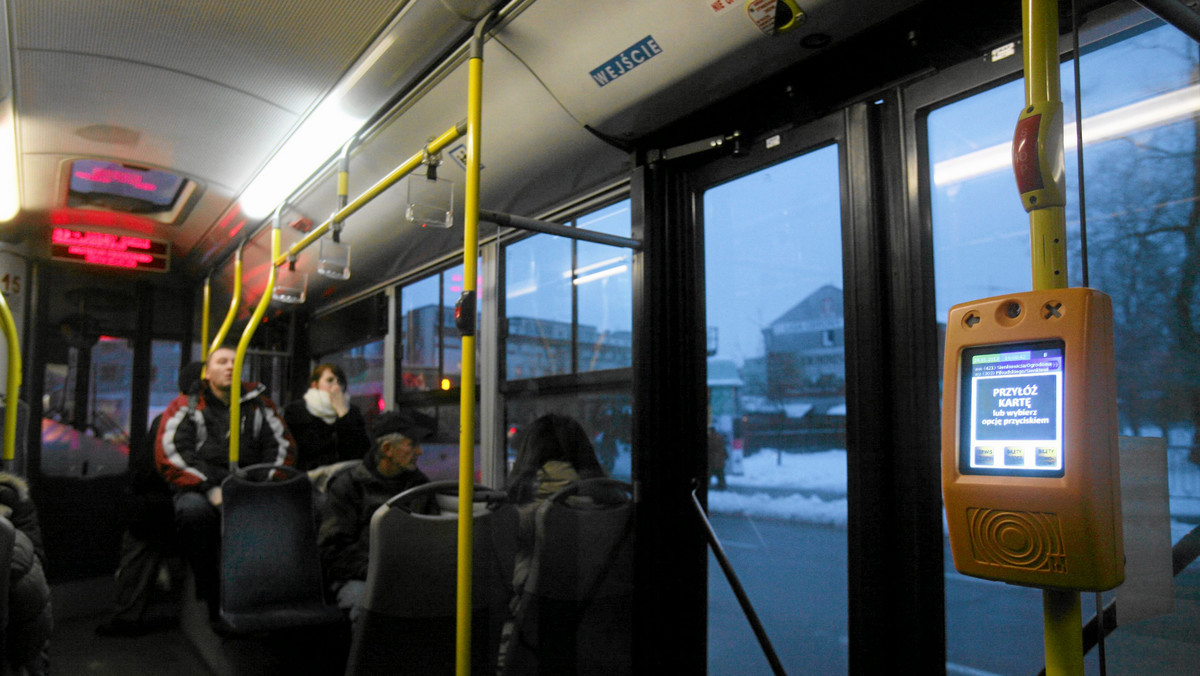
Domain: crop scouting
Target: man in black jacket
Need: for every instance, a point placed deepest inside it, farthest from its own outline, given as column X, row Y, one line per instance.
column 353, row 495
column 192, row 453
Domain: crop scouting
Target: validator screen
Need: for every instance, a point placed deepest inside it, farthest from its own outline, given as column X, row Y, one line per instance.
column 1012, row 410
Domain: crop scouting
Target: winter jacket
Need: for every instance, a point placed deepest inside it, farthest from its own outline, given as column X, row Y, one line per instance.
column 320, row 443
column 192, row 449
column 30, row 620
column 352, row 498
column 551, row 478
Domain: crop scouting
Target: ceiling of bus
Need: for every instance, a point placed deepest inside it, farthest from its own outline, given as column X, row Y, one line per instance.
column 211, row 89
column 207, row 88
column 541, row 97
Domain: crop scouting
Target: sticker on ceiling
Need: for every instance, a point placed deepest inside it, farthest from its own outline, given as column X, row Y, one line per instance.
column 626, row 60
column 775, row 17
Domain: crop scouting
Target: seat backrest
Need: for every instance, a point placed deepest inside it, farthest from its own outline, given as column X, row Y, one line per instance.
column 576, row 610
column 270, row 565
column 410, row 604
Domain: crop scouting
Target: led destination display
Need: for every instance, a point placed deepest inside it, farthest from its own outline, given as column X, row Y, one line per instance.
column 1012, row 410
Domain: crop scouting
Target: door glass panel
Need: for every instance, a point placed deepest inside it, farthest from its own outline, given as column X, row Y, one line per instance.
column 776, row 377
column 164, row 383
column 94, row 442
column 1141, row 155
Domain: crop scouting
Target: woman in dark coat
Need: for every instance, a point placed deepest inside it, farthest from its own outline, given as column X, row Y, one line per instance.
column 554, row 453
column 326, row 426
column 29, row 616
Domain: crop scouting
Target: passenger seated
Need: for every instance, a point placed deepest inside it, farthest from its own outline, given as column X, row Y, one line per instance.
column 192, row 454
column 352, row 496
column 554, row 453
column 30, row 620
column 326, row 426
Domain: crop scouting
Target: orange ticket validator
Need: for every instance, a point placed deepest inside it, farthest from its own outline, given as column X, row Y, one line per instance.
column 1029, row 440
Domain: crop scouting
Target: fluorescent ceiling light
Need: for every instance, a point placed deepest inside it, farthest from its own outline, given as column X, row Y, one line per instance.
column 594, row 266
column 10, row 194
column 522, row 291
column 601, row 275
column 1152, row 112
column 319, row 137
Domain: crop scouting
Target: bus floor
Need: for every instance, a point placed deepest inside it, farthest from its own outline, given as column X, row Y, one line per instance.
column 76, row 649
column 189, row 649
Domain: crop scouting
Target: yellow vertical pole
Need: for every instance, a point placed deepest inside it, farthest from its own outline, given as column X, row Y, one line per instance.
column 13, row 385
column 1061, row 610
column 204, row 318
column 233, row 304
column 239, row 360
column 1047, row 221
column 466, row 440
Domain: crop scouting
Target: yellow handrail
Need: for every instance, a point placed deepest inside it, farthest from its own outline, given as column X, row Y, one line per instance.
column 12, row 390
column 466, row 438
column 204, row 319
column 233, row 304
column 404, row 169
column 1061, row 611
column 235, row 389
column 1047, row 224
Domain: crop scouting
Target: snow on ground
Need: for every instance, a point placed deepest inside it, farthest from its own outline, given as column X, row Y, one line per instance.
column 819, row 484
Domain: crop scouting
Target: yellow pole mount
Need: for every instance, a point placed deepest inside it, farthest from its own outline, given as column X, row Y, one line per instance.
column 13, row 384
column 235, row 390
column 1038, row 146
column 204, row 319
column 1039, row 168
column 233, row 305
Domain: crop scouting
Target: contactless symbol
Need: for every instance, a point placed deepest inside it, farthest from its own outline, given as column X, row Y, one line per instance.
column 1027, row 540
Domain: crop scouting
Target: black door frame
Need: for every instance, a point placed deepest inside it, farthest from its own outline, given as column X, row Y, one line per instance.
column 895, row 576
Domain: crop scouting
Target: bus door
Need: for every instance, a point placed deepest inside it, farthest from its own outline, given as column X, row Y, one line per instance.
column 773, row 225
column 98, row 377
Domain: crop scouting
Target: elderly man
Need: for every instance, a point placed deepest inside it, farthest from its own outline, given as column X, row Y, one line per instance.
column 353, row 495
column 192, row 454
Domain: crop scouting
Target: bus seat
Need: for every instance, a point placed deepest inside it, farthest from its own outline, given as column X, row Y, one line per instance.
column 576, row 611
column 409, row 608
column 270, row 566
column 321, row 476
column 8, row 539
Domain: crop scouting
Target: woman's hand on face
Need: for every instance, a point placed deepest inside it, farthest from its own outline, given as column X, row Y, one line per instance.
column 338, row 398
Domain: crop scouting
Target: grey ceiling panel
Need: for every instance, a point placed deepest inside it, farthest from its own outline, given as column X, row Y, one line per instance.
column 287, row 52
column 532, row 150
column 64, row 93
column 646, row 63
